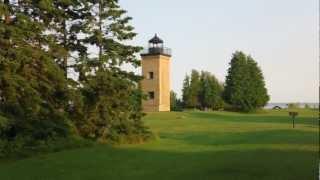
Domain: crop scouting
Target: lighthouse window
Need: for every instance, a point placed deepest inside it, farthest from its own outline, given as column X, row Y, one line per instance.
column 151, row 95
column 150, row 75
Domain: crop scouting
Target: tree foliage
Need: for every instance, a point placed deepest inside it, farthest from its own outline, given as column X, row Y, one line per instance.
column 39, row 40
column 202, row 91
column 175, row 102
column 245, row 87
column 33, row 93
column 210, row 95
column 108, row 114
column 186, row 95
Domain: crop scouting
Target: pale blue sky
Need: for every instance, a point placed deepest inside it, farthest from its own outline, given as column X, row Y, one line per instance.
column 281, row 35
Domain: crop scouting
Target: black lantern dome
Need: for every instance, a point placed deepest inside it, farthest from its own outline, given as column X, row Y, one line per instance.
column 155, row 40
column 156, row 47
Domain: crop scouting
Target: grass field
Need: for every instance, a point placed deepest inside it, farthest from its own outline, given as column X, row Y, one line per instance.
column 191, row 146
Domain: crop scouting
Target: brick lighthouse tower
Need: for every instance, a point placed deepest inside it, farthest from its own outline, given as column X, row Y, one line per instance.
column 156, row 73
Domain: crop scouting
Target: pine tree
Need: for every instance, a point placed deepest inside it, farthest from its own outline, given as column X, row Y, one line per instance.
column 106, row 88
column 64, row 22
column 33, row 91
column 210, row 94
column 205, row 90
column 186, row 92
column 245, row 88
column 256, row 90
column 37, row 39
column 175, row 103
column 194, row 89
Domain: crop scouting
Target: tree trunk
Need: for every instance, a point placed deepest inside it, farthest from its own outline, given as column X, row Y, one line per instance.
column 7, row 17
column 65, row 58
column 100, row 29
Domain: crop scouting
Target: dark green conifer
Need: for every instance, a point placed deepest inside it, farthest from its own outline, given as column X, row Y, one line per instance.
column 106, row 87
column 210, row 94
column 33, row 90
column 245, row 87
column 186, row 92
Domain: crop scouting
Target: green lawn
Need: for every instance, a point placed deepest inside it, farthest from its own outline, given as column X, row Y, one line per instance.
column 191, row 146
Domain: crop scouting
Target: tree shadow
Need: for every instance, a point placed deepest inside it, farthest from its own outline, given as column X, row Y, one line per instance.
column 135, row 164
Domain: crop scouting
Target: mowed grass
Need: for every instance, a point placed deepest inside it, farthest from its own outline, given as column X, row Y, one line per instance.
column 191, row 146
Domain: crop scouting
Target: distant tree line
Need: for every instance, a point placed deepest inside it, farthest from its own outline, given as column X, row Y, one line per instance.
column 302, row 105
column 244, row 88
column 39, row 103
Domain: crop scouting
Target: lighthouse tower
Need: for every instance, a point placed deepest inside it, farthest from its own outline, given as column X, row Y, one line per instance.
column 156, row 73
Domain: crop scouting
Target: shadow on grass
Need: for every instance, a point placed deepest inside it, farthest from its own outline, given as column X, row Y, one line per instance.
column 133, row 164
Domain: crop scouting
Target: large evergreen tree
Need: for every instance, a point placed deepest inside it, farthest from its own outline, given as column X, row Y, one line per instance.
column 106, row 87
column 245, row 87
column 65, row 26
column 38, row 101
column 33, row 90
